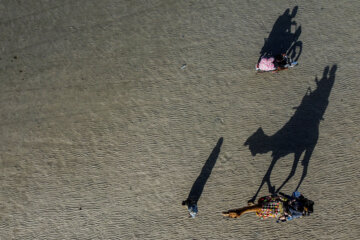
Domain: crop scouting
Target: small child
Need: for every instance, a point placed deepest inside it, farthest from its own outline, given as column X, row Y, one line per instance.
column 192, row 207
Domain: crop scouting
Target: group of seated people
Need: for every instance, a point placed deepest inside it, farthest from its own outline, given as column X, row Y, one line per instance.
column 279, row 206
column 280, row 62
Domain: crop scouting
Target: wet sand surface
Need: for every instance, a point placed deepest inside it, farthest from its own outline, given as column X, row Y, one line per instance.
column 111, row 109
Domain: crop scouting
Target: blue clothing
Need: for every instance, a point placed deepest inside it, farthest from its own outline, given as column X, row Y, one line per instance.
column 293, row 214
column 296, row 194
column 292, row 208
column 193, row 210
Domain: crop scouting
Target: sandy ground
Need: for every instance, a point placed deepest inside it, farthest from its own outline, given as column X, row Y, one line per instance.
column 103, row 134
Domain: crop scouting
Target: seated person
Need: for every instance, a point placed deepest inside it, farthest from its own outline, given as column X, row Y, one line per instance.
column 281, row 61
column 297, row 206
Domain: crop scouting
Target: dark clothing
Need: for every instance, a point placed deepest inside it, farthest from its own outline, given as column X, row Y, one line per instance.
column 281, row 61
column 293, row 208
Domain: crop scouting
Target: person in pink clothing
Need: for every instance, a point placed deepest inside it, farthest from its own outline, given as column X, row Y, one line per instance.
column 266, row 64
column 274, row 64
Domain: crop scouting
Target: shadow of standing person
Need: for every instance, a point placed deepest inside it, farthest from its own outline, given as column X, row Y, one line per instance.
column 199, row 184
column 300, row 134
column 281, row 38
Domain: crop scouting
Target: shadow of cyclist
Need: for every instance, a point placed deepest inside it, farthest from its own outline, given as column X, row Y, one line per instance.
column 282, row 39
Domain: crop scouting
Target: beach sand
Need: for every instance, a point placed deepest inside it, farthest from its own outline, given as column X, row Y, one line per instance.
column 110, row 109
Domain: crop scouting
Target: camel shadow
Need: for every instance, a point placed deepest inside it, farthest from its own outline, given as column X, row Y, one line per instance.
column 200, row 182
column 282, row 39
column 300, row 134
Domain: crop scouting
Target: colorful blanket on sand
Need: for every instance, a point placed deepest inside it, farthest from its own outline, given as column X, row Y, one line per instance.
column 271, row 207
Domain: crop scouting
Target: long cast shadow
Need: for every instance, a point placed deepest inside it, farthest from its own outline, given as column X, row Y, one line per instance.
column 282, row 39
column 299, row 134
column 200, row 182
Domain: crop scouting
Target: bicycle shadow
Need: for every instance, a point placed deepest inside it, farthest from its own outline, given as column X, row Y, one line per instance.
column 282, row 39
column 300, row 134
column 201, row 180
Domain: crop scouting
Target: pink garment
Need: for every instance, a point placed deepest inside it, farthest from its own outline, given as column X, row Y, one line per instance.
column 267, row 64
